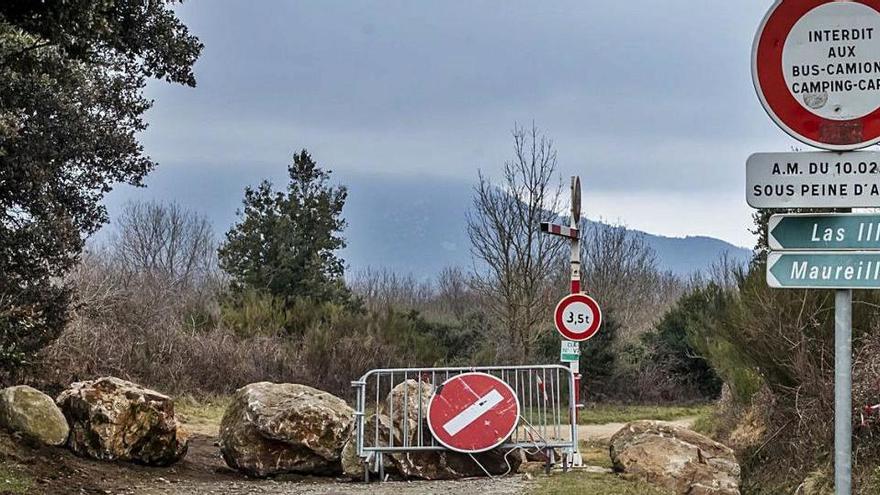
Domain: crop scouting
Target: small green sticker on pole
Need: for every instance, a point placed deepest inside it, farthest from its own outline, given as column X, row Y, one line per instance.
column 570, row 352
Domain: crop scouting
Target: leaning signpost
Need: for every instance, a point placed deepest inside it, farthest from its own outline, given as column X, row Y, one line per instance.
column 816, row 69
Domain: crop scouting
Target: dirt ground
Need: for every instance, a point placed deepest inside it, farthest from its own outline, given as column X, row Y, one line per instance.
column 203, row 472
column 58, row 471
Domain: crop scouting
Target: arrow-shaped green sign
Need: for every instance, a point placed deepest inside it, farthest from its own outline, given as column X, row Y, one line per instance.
column 811, row 270
column 825, row 231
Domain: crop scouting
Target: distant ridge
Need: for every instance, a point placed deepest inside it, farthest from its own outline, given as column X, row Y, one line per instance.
column 410, row 225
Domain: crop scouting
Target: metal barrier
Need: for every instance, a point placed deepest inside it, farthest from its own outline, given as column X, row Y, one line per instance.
column 547, row 419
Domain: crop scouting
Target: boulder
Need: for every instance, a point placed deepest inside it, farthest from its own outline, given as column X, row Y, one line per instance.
column 447, row 465
column 402, row 407
column 272, row 429
column 32, row 413
column 112, row 419
column 376, row 425
column 675, row 458
column 352, row 465
column 435, row 465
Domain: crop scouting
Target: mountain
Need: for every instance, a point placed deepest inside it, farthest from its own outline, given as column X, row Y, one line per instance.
column 415, row 225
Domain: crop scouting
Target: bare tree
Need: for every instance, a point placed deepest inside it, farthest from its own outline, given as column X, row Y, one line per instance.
column 620, row 269
column 454, row 295
column 383, row 289
column 513, row 261
column 726, row 271
column 164, row 240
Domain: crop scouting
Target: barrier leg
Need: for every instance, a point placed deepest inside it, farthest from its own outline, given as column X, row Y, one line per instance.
column 381, row 460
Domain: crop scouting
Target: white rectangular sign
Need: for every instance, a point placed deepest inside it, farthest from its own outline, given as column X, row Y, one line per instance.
column 570, row 352
column 813, row 180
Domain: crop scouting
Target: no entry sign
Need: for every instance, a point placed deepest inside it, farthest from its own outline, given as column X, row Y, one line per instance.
column 577, row 317
column 816, row 68
column 473, row 412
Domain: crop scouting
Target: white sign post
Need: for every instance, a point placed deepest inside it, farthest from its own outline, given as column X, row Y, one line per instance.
column 586, row 321
column 816, row 69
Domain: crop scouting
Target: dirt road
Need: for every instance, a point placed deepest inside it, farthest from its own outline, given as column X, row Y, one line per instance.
column 505, row 486
column 603, row 433
column 203, row 472
column 54, row 471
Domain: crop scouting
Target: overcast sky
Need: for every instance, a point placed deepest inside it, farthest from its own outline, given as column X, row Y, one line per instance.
column 649, row 101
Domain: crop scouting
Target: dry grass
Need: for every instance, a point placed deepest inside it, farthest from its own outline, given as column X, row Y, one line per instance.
column 598, row 414
column 12, row 480
column 596, row 454
column 581, row 483
column 201, row 416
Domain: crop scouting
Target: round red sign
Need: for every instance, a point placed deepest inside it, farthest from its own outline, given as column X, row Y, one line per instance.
column 578, row 317
column 473, row 412
column 816, row 69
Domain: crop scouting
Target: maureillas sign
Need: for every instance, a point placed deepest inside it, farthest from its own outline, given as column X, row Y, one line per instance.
column 808, row 270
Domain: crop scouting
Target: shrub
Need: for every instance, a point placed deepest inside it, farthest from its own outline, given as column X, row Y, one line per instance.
column 784, row 340
column 598, row 362
column 672, row 344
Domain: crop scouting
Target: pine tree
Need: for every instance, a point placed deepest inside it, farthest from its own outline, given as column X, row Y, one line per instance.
column 285, row 243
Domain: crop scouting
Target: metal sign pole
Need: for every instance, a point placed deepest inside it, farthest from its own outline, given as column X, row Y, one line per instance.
column 843, row 392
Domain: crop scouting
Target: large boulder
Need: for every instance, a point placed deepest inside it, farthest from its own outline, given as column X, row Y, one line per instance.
column 375, row 426
column 272, row 429
column 448, row 465
column 675, row 458
column 32, row 413
column 112, row 419
column 435, row 465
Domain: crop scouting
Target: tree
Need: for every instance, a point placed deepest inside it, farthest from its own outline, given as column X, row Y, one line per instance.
column 514, row 260
column 71, row 105
column 620, row 269
column 164, row 241
column 285, row 243
column 672, row 345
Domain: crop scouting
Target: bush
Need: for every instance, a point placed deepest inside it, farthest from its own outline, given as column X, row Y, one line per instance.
column 672, row 343
column 147, row 329
column 784, row 340
column 254, row 313
column 598, row 362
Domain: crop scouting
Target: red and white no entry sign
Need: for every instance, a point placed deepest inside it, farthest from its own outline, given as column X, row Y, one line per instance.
column 816, row 67
column 473, row 412
column 578, row 317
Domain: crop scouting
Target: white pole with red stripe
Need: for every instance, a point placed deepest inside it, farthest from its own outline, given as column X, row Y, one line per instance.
column 572, row 232
column 576, row 268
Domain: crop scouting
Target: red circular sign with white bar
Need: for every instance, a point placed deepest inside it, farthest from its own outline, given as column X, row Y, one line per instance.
column 816, row 68
column 473, row 412
column 578, row 317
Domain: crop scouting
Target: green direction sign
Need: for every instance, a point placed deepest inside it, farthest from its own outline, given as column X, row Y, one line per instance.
column 825, row 231
column 823, row 270
column 570, row 352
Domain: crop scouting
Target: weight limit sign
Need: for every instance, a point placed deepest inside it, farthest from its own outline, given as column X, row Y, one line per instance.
column 578, row 317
